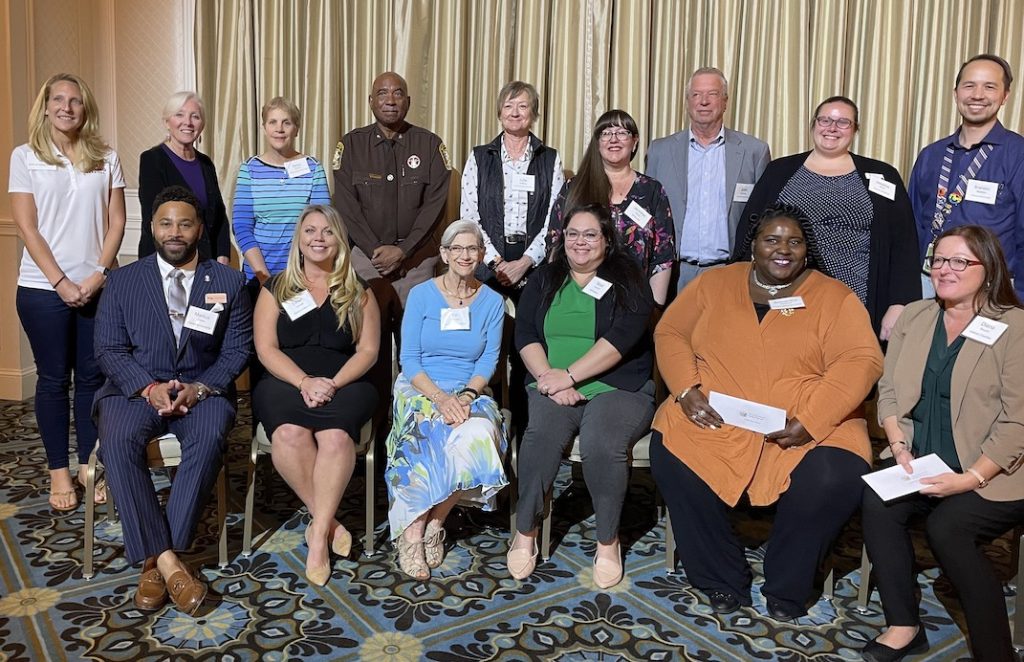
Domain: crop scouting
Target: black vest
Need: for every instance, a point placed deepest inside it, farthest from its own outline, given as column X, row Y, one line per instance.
column 490, row 186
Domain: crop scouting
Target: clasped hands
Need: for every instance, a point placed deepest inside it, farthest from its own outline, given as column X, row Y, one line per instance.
column 700, row 412
column 454, row 409
column 173, row 398
column 559, row 386
column 386, row 259
column 76, row 295
column 316, row 391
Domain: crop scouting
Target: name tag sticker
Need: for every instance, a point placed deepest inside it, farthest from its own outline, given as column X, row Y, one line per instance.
column 981, row 191
column 299, row 305
column 296, row 168
column 881, row 187
column 742, row 192
column 984, row 330
column 522, row 183
column 597, row 287
column 786, row 303
column 455, row 319
column 201, row 320
column 216, row 297
column 637, row 214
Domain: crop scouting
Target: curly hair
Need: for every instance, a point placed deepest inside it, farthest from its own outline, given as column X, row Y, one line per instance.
column 176, row 193
column 794, row 213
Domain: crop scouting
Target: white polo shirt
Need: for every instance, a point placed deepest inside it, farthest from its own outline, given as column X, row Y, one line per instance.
column 71, row 211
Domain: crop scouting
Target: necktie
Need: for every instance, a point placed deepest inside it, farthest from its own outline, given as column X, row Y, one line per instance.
column 176, row 302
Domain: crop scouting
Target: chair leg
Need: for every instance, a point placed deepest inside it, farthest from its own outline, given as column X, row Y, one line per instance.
column 368, row 542
column 828, row 591
column 1018, row 601
column 864, row 592
column 545, row 535
column 90, row 516
column 670, row 546
column 222, row 516
column 513, row 485
column 250, row 496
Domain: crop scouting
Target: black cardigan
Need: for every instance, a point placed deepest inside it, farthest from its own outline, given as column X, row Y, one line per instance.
column 157, row 172
column 627, row 330
column 893, row 269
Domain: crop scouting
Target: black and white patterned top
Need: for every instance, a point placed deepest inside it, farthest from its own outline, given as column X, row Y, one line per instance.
column 841, row 212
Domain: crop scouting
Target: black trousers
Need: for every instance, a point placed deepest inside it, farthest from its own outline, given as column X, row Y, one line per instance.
column 824, row 491
column 956, row 526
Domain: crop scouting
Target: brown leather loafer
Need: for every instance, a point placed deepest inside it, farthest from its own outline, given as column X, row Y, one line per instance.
column 186, row 590
column 152, row 592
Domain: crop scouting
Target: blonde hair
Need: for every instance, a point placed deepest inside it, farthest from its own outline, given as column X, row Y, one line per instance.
column 281, row 103
column 343, row 287
column 90, row 149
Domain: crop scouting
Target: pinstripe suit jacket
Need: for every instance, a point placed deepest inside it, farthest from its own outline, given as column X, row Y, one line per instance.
column 135, row 343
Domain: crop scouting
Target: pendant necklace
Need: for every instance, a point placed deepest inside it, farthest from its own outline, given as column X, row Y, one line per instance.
column 772, row 289
column 461, row 299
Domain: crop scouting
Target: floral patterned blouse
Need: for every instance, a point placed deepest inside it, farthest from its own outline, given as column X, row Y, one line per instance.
column 654, row 244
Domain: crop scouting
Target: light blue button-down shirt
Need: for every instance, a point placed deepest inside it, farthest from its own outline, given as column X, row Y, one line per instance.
column 705, row 235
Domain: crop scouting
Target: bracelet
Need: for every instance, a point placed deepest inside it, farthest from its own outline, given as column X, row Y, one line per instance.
column 304, row 378
column 470, row 391
column 569, row 372
column 977, row 474
column 60, row 280
column 685, row 391
column 893, row 443
column 433, row 396
column 145, row 391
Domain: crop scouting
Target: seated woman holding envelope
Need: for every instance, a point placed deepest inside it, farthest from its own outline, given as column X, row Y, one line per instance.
column 582, row 330
column 954, row 386
column 448, row 439
column 317, row 331
column 775, row 332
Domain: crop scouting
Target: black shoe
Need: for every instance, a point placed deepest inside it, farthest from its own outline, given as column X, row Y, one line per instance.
column 876, row 652
column 781, row 612
column 722, row 602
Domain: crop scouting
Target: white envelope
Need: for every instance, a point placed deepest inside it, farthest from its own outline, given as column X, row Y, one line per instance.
column 747, row 414
column 896, row 482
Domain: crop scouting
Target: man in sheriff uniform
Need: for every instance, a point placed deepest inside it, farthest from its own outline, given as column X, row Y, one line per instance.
column 390, row 186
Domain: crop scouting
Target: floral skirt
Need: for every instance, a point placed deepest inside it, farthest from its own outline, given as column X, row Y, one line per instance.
column 429, row 460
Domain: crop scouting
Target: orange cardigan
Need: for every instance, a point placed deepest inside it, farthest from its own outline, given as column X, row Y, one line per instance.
column 818, row 364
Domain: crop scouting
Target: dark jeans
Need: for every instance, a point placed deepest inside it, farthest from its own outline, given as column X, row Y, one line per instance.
column 824, row 491
column 607, row 426
column 62, row 345
column 956, row 526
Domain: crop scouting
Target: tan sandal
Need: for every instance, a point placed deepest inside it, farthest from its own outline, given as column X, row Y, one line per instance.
column 411, row 560
column 71, row 494
column 433, row 544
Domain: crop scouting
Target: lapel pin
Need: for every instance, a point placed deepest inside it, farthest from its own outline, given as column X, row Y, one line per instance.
column 206, row 278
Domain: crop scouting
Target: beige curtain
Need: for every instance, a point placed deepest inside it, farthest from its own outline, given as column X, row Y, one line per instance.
column 896, row 59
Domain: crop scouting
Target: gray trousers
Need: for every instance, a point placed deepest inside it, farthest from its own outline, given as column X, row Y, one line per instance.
column 607, row 426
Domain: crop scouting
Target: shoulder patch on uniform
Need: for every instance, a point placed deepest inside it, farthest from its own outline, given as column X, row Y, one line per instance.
column 444, row 156
column 338, row 151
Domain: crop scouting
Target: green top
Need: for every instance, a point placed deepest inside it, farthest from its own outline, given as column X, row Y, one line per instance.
column 569, row 332
column 933, row 420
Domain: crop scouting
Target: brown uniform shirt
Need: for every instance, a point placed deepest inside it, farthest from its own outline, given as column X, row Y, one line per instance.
column 391, row 192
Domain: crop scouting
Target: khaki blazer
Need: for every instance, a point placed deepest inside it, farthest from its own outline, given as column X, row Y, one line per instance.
column 986, row 397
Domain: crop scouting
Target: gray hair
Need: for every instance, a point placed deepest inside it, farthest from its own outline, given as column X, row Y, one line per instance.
column 178, row 100
column 458, row 227
column 709, row 70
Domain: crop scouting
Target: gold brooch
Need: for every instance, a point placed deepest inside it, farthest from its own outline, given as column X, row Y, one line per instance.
column 787, row 312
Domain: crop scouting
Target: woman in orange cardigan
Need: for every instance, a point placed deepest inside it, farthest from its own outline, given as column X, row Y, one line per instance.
column 817, row 358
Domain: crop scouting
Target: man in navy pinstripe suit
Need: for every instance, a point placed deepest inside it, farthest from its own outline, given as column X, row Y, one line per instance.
column 173, row 332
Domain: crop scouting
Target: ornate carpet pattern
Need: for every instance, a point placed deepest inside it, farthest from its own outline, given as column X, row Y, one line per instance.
column 262, row 608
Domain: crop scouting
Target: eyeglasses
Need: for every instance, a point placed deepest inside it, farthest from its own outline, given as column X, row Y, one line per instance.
column 840, row 122
column 456, row 250
column 618, row 134
column 590, row 236
column 955, row 263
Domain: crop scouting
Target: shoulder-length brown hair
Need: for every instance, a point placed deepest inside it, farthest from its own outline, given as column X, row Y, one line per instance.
column 591, row 185
column 997, row 293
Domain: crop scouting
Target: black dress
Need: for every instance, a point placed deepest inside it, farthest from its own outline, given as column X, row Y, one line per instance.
column 316, row 345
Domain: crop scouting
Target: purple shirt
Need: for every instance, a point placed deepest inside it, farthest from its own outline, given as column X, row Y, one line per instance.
column 192, row 172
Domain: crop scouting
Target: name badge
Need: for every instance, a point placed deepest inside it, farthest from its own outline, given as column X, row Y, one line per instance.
column 786, row 303
column 881, row 187
column 296, row 168
column 742, row 192
column 522, row 183
column 455, row 319
column 299, row 305
column 981, row 191
column 201, row 320
column 216, row 297
column 637, row 214
column 984, row 330
column 874, row 175
column 597, row 287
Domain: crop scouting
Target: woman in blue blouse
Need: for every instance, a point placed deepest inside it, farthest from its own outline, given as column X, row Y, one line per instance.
column 582, row 332
column 448, row 439
column 272, row 190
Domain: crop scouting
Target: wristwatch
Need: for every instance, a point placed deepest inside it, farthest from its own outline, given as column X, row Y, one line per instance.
column 100, row 269
column 201, row 392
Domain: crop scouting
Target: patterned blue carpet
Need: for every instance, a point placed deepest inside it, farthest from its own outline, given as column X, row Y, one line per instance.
column 263, row 608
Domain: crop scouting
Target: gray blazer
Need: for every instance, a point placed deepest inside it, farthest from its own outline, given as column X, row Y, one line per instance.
column 986, row 399
column 745, row 159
